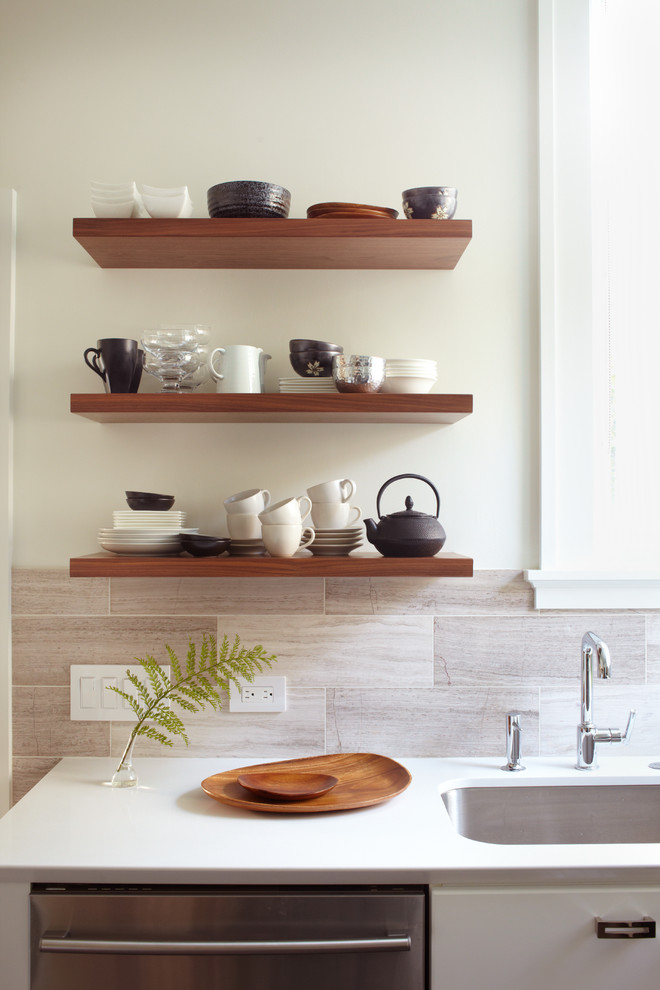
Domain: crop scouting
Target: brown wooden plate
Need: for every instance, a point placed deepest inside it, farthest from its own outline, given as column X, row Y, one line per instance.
column 287, row 785
column 363, row 779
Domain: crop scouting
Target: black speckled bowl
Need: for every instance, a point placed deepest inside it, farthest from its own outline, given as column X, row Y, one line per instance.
column 248, row 198
column 204, row 546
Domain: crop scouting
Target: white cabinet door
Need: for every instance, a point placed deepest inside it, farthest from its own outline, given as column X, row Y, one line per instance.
column 533, row 938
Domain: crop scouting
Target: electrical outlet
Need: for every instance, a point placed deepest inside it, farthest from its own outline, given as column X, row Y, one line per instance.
column 263, row 694
column 90, row 699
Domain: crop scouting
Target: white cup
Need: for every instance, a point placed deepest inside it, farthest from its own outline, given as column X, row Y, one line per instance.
column 252, row 501
column 242, row 368
column 333, row 491
column 243, row 526
column 289, row 510
column 335, row 515
column 286, row 540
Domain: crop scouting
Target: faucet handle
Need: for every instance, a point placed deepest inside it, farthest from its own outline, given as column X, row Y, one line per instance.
column 618, row 736
column 513, row 732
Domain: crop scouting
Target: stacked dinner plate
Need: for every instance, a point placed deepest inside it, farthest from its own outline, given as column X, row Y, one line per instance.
column 144, row 532
column 350, row 211
column 410, row 375
column 307, row 385
column 337, row 542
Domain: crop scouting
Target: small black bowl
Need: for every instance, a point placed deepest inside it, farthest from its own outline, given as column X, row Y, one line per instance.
column 312, row 364
column 301, row 344
column 204, row 546
column 149, row 501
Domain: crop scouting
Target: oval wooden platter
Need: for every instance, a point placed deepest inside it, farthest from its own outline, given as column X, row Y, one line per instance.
column 363, row 779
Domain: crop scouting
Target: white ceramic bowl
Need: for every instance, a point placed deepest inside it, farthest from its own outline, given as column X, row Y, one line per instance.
column 167, row 207
column 171, row 191
column 118, row 210
column 408, row 383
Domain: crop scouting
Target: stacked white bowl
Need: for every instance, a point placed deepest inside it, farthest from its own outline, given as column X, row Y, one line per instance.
column 119, row 200
column 410, row 375
column 169, row 203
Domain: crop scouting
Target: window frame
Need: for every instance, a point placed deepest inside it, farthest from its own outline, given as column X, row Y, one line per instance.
column 570, row 576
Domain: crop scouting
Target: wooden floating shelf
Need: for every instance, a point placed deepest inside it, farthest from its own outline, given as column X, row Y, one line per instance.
column 106, row 564
column 281, row 244
column 275, row 407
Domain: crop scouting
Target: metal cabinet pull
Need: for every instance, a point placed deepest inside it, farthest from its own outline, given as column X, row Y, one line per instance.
column 52, row 942
column 625, row 929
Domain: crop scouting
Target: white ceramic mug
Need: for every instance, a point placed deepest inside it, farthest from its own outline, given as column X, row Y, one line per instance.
column 243, row 526
column 252, row 501
column 335, row 515
column 333, row 491
column 242, row 368
column 288, row 510
column 286, row 540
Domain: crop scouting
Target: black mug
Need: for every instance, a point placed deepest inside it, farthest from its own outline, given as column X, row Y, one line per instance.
column 118, row 362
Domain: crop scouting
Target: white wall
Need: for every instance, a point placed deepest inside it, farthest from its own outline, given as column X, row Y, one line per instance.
column 347, row 101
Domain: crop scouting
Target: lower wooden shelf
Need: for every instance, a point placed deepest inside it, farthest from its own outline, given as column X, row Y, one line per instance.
column 105, row 564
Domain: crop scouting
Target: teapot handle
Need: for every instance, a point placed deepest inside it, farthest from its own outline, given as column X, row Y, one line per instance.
column 419, row 477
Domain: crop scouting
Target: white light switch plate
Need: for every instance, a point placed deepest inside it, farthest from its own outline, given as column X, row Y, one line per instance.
column 92, row 702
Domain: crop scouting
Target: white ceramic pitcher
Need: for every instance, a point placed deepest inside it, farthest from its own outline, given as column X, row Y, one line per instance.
column 242, row 368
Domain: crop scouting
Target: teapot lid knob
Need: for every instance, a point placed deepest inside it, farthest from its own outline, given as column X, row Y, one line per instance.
column 409, row 502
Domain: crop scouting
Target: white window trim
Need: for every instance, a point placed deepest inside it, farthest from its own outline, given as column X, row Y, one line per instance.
column 568, row 483
column 8, row 200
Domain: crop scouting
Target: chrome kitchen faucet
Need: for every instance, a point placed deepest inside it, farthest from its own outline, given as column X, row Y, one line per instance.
column 587, row 733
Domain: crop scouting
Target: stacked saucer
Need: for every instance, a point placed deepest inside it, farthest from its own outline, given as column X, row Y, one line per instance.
column 247, row 548
column 337, row 542
column 316, row 385
column 410, row 375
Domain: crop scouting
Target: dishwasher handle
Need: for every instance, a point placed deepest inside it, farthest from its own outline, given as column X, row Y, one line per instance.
column 56, row 942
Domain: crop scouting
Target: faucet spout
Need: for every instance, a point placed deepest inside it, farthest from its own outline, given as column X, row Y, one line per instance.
column 588, row 735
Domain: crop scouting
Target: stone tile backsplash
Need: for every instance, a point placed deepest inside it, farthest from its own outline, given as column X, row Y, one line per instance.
column 414, row 667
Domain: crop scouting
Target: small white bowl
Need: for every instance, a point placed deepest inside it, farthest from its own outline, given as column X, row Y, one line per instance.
column 167, row 207
column 172, row 191
column 117, row 210
column 407, row 383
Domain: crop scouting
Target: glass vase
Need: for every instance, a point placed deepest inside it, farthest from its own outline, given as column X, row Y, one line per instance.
column 125, row 775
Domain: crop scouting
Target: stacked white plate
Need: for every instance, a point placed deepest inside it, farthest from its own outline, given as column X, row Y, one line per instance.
column 410, row 375
column 298, row 384
column 337, row 542
column 141, row 541
column 167, row 522
column 144, row 532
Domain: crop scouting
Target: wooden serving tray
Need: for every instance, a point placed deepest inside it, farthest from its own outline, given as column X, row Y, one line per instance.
column 363, row 779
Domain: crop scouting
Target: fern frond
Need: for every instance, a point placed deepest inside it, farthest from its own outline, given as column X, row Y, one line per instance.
column 215, row 666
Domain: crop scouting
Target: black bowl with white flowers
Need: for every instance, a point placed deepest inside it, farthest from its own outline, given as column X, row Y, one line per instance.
column 313, row 363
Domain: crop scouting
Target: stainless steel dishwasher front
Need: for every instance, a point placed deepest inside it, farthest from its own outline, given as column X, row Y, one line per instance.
column 117, row 937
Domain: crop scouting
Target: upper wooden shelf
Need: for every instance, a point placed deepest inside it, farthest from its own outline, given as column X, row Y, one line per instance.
column 365, row 244
column 270, row 407
column 105, row 564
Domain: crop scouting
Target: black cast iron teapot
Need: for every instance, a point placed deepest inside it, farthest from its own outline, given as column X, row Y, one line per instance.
column 407, row 533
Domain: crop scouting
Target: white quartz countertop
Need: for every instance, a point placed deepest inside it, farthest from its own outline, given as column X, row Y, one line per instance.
column 74, row 827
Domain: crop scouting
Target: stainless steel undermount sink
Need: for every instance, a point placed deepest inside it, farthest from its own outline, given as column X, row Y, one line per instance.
column 555, row 814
